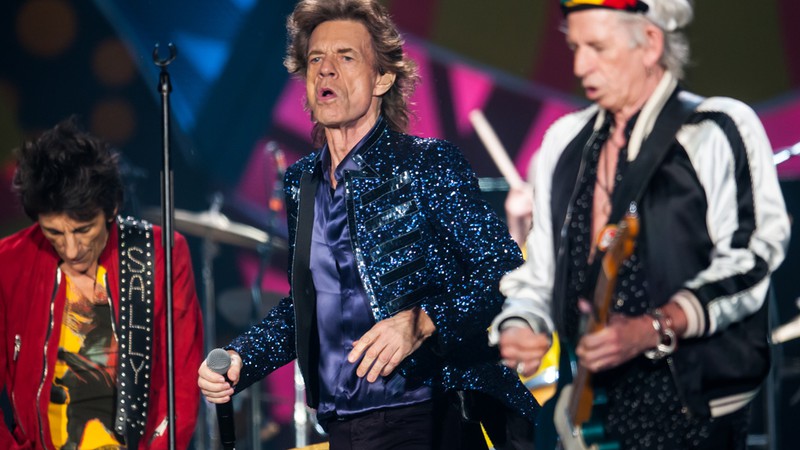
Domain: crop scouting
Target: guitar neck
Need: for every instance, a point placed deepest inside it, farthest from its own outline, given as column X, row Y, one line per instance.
column 582, row 397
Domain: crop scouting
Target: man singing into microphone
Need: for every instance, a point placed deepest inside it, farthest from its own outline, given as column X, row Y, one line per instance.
column 395, row 259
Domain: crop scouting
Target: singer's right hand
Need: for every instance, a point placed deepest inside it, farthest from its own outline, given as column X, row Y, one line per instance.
column 214, row 386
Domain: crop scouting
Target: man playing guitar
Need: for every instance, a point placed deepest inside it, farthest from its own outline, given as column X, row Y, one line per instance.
column 684, row 349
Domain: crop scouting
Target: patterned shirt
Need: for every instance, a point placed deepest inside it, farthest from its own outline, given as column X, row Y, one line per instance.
column 82, row 397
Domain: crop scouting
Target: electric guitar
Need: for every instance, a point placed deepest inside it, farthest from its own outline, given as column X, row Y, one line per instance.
column 576, row 427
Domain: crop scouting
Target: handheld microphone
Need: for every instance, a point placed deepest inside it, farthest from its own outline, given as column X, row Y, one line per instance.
column 219, row 361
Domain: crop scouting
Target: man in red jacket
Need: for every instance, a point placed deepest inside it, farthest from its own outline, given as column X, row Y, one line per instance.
column 82, row 310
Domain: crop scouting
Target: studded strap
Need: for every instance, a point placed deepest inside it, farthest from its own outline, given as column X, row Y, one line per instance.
column 136, row 303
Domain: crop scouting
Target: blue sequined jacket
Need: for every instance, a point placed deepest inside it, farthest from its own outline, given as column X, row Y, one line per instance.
column 422, row 236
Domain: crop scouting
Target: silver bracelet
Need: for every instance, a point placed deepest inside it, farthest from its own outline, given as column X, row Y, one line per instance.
column 667, row 339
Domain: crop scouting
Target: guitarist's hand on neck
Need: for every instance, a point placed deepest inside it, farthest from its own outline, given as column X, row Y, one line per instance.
column 624, row 338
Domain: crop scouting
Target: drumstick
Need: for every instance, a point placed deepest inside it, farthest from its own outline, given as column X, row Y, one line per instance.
column 495, row 149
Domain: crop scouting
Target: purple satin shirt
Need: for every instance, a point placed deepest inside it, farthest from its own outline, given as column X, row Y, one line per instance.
column 343, row 312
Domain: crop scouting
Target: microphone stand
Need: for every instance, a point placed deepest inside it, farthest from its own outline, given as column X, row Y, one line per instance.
column 255, row 390
column 300, row 413
column 264, row 254
column 208, row 428
column 167, row 238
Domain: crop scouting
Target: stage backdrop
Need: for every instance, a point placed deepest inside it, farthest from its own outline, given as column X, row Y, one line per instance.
column 233, row 103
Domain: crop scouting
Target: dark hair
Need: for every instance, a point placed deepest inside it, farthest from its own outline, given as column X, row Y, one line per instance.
column 67, row 170
column 386, row 43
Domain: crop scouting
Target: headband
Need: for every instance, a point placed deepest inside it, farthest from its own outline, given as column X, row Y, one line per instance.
column 636, row 6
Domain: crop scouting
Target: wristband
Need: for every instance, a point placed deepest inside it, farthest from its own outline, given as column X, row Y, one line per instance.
column 667, row 339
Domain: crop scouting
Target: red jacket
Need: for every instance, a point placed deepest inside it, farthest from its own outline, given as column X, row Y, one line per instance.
column 31, row 292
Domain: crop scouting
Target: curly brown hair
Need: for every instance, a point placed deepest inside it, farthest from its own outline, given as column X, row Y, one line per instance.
column 387, row 44
column 67, row 170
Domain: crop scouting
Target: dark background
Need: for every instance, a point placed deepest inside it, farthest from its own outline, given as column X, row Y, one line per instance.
column 231, row 96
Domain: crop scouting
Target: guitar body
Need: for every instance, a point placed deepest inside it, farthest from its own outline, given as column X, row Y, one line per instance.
column 587, row 436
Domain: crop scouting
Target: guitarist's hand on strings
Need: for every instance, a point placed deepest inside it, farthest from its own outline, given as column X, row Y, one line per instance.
column 624, row 338
column 522, row 349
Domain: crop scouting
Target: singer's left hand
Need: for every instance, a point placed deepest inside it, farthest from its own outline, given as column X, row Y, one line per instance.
column 389, row 342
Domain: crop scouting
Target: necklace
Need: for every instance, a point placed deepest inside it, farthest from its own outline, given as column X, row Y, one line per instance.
column 608, row 191
column 606, row 171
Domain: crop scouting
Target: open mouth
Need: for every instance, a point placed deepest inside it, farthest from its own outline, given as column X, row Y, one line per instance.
column 326, row 93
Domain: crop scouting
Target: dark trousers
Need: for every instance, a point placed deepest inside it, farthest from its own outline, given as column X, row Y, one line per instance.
column 728, row 432
column 506, row 429
column 433, row 425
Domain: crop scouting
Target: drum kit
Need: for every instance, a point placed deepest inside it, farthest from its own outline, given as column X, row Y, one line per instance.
column 239, row 307
column 217, row 227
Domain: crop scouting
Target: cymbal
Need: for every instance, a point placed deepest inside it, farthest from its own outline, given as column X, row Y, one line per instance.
column 236, row 306
column 217, row 227
column 255, row 214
